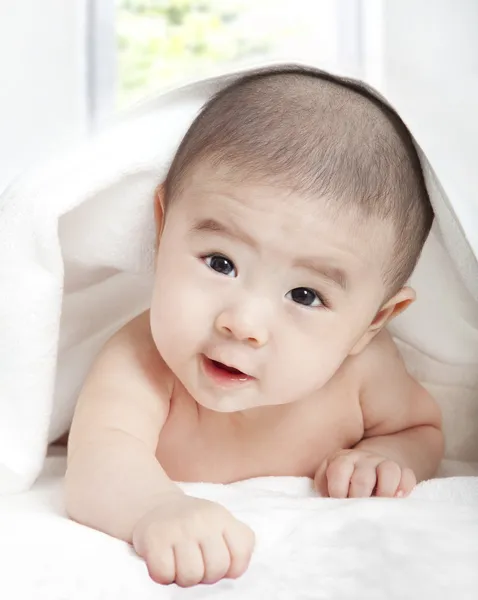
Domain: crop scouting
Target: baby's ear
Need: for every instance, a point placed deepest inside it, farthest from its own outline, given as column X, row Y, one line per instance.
column 159, row 210
column 391, row 309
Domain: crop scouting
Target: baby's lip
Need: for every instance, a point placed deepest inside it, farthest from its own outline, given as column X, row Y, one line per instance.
column 230, row 367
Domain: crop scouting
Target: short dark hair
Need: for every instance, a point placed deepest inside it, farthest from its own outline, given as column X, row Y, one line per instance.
column 316, row 134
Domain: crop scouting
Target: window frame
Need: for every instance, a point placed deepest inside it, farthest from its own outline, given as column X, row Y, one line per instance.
column 359, row 53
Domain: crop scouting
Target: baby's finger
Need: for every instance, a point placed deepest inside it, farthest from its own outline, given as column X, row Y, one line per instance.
column 239, row 539
column 338, row 476
column 407, row 482
column 363, row 481
column 216, row 558
column 189, row 563
column 320, row 479
column 389, row 475
column 161, row 565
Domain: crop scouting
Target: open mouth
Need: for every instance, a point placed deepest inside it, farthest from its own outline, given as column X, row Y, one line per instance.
column 227, row 369
column 223, row 373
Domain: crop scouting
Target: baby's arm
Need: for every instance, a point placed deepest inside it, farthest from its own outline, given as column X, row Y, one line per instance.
column 402, row 441
column 113, row 477
column 114, row 482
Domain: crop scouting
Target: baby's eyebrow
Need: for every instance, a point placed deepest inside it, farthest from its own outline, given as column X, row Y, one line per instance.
column 230, row 230
column 335, row 274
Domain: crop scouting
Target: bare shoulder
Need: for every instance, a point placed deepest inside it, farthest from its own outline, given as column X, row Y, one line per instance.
column 132, row 348
column 134, row 333
column 380, row 360
column 130, row 361
column 128, row 388
column 390, row 398
column 381, row 352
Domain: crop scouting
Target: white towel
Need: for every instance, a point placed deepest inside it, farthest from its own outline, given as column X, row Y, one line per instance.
column 307, row 547
column 76, row 257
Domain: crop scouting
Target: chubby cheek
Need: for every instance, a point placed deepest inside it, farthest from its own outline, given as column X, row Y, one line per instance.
column 179, row 319
column 308, row 365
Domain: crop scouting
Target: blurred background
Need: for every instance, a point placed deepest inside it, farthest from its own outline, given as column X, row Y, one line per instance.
column 71, row 67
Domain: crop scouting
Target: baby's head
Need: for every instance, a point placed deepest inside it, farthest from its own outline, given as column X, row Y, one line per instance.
column 291, row 218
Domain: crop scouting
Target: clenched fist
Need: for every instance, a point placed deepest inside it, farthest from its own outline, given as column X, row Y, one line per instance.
column 188, row 541
column 359, row 474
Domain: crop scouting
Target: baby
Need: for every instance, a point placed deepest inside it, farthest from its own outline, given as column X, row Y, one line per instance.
column 289, row 222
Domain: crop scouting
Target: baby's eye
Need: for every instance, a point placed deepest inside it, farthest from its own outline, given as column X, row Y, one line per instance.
column 221, row 264
column 305, row 296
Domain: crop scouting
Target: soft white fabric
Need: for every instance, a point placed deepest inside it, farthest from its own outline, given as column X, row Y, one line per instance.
column 76, row 259
column 307, row 547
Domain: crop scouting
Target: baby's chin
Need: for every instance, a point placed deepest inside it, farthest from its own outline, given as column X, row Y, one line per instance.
column 226, row 404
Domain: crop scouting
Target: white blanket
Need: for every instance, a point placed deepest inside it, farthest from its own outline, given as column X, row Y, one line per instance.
column 307, row 547
column 76, row 242
column 76, row 259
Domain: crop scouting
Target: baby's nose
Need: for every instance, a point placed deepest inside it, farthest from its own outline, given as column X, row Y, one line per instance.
column 243, row 325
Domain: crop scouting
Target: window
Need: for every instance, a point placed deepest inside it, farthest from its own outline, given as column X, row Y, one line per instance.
column 141, row 47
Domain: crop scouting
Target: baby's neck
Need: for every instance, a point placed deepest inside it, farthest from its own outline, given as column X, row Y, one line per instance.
column 255, row 418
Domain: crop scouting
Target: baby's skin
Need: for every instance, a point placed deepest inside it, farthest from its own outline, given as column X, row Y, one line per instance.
column 264, row 353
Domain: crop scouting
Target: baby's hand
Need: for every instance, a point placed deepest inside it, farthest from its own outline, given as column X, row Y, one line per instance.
column 360, row 474
column 188, row 541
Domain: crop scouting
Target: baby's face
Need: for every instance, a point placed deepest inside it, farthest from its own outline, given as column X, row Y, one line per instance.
column 260, row 294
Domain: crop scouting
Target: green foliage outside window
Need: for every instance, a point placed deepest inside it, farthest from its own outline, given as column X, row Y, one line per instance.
column 163, row 42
